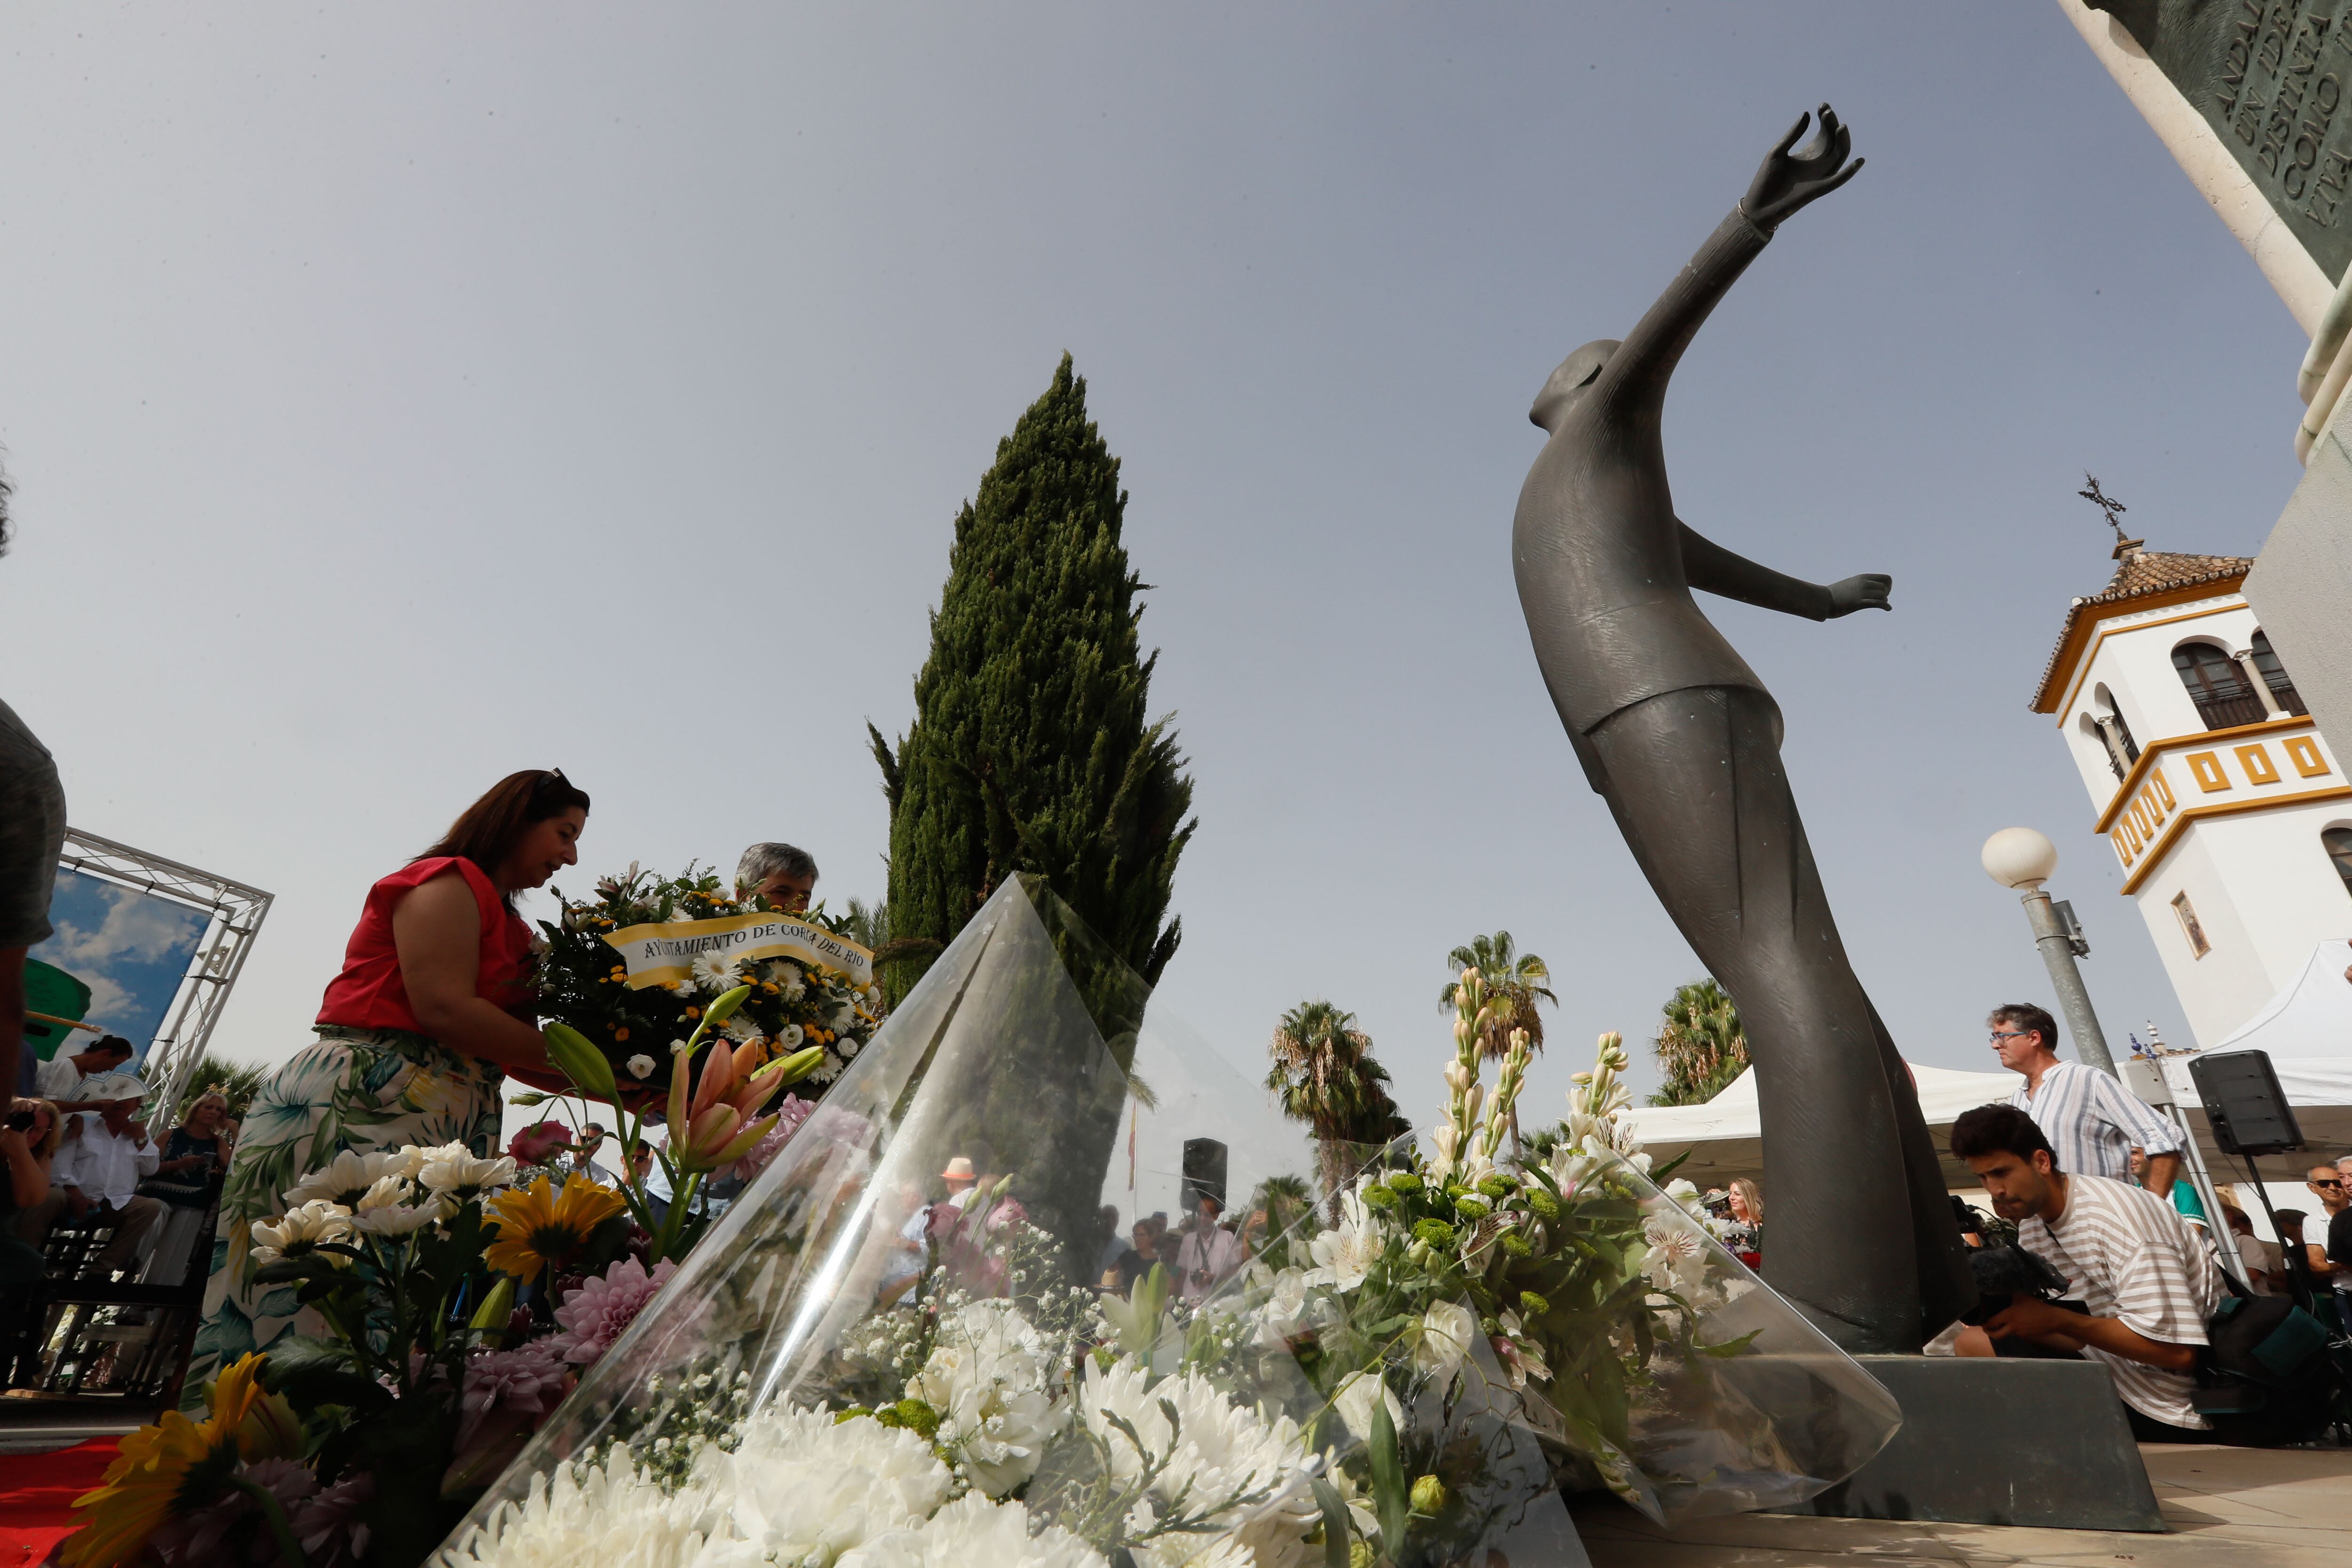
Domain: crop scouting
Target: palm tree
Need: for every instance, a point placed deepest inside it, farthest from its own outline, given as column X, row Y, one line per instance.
column 1700, row 1044
column 869, row 926
column 1324, row 1071
column 1515, row 981
column 234, row 1081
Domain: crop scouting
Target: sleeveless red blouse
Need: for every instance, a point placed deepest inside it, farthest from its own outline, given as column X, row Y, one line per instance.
column 368, row 994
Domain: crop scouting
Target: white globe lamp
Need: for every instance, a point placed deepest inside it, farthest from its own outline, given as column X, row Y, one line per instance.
column 2019, row 858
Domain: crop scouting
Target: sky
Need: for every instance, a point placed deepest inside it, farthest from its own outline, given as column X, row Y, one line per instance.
column 397, row 397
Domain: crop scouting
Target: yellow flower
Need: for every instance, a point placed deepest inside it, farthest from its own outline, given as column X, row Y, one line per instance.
column 179, row 1466
column 542, row 1228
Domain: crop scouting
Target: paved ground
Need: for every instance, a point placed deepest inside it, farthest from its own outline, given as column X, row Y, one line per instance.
column 2229, row 1508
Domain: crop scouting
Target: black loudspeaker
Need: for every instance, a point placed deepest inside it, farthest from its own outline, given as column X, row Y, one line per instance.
column 2245, row 1103
column 1204, row 1171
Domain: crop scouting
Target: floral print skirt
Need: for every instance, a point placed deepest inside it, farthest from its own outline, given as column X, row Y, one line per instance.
column 356, row 1089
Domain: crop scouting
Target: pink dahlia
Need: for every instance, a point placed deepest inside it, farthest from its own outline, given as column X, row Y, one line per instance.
column 526, row 1382
column 595, row 1315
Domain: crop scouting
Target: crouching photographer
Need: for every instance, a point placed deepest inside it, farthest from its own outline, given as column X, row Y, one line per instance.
column 2144, row 1285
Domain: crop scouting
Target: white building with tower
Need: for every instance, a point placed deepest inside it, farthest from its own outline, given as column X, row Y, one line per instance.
column 2231, row 818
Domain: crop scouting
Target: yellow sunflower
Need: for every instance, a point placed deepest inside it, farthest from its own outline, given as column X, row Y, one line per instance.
column 539, row 1227
column 179, row 1466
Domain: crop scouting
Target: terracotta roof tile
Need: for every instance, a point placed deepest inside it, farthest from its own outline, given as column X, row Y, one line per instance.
column 2143, row 575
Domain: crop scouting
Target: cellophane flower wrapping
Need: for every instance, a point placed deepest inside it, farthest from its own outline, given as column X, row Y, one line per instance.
column 873, row 1360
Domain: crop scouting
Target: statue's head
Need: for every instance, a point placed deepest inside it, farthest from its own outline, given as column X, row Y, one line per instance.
column 1577, row 372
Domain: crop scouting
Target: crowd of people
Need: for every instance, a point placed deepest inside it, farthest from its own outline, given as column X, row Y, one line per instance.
column 2089, row 1176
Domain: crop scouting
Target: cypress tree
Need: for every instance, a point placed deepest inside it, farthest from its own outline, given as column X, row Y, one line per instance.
column 1031, row 749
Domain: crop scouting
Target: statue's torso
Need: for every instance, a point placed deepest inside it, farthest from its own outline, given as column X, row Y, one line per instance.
column 1597, row 556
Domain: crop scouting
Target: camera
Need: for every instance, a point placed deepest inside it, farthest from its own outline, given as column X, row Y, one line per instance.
column 19, row 1121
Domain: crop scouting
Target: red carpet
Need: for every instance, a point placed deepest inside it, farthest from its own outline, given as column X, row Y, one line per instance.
column 36, row 1498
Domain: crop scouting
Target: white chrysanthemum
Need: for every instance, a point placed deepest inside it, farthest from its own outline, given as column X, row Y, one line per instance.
column 804, row 1488
column 841, row 1018
column 1220, row 1450
column 741, row 1027
column 1443, row 1343
column 993, row 1377
column 303, row 1227
column 455, row 1169
column 787, row 978
column 610, row 1515
column 1345, row 1254
column 827, row 1069
column 716, row 973
column 346, row 1178
column 973, row 1532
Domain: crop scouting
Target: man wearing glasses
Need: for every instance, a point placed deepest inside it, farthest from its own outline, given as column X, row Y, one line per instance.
column 2332, row 1264
column 2091, row 1120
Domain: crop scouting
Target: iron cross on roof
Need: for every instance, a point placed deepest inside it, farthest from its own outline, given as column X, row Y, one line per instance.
column 2112, row 510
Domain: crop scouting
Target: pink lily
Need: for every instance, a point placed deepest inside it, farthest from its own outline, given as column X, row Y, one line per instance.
column 718, row 1127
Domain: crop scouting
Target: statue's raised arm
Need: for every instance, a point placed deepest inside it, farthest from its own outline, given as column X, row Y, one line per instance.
column 1785, row 182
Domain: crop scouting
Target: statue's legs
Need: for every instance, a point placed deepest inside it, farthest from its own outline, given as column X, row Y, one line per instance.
column 1859, row 1229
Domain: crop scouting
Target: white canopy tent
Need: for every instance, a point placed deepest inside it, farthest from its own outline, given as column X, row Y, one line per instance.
column 2307, row 1030
column 1725, row 1137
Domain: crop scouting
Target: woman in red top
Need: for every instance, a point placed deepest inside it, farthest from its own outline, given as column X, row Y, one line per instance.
column 434, row 1006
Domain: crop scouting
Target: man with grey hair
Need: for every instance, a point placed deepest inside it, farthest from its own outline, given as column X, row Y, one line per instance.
column 783, row 875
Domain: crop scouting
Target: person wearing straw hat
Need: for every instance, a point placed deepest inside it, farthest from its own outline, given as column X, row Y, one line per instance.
column 959, row 1180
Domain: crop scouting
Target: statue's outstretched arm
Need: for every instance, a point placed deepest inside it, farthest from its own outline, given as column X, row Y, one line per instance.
column 1712, row 569
column 1785, row 182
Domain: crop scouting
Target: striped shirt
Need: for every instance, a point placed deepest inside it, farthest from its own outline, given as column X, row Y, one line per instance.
column 2092, row 1122
column 2127, row 1254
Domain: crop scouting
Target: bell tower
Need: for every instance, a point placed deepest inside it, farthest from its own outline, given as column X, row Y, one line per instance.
column 2231, row 818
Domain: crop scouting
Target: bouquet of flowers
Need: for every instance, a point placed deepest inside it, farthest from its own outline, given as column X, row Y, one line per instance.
column 852, row 1370
column 459, row 1299
column 636, row 968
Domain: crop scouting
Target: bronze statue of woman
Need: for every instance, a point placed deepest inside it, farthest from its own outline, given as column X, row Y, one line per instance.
column 1683, row 741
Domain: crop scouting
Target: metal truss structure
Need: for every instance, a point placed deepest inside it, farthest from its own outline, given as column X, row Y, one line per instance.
column 234, row 911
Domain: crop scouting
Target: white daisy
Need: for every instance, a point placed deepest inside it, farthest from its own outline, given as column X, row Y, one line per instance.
column 346, row 1178
column 716, row 973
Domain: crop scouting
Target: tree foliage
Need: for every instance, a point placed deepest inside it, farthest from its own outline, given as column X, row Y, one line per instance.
column 1700, row 1044
column 1324, row 1073
column 1515, row 980
column 1032, row 747
column 234, row 1081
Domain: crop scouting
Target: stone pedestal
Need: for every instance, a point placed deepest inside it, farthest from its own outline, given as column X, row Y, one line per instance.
column 1988, row 1441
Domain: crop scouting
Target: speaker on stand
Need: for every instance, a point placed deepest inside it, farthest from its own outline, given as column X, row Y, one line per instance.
column 2250, row 1116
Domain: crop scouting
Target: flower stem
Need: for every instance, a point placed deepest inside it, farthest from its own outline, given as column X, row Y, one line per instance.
column 289, row 1550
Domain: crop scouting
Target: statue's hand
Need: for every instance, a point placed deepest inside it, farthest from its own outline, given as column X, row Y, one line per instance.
column 1789, row 180
column 1867, row 592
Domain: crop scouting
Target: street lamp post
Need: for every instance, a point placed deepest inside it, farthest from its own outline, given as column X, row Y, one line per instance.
column 2021, row 859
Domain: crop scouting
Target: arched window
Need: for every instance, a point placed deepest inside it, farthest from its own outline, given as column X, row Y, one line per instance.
column 2338, row 842
column 2096, row 733
column 2112, row 722
column 2223, row 697
column 2275, row 676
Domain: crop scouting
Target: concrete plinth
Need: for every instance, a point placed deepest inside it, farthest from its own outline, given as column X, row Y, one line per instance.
column 1990, row 1441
